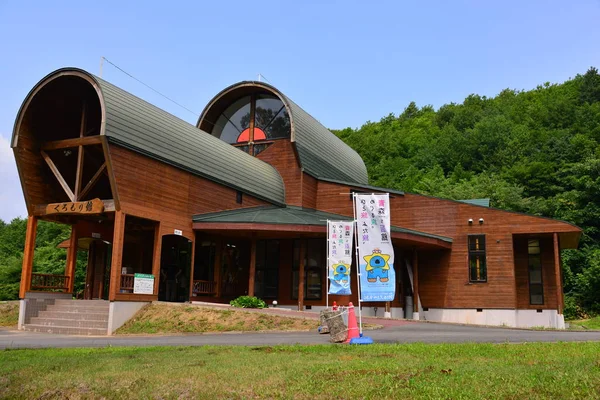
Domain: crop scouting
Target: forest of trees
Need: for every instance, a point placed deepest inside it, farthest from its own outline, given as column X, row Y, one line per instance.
column 534, row 151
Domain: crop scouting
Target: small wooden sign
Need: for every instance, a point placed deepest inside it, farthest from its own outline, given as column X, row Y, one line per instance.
column 95, row 206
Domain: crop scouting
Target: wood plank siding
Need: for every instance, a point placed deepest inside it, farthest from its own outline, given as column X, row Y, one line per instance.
column 154, row 190
column 450, row 287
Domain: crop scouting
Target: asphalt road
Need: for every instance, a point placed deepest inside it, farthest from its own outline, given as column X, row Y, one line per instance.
column 405, row 333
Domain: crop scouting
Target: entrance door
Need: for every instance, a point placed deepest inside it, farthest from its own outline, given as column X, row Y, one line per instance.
column 175, row 263
column 98, row 270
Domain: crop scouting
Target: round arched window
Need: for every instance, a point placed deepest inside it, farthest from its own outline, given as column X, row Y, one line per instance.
column 251, row 120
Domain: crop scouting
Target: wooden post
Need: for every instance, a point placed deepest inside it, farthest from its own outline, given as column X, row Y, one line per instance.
column 559, row 301
column 217, row 266
column 117, row 255
column 301, row 275
column 416, row 281
column 27, row 270
column 252, row 272
column 72, row 259
column 157, row 253
column 192, row 261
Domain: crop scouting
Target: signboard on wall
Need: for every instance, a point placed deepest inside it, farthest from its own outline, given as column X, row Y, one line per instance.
column 143, row 284
column 376, row 253
column 95, row 206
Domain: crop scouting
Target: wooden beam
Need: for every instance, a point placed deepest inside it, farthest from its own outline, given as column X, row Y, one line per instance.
column 83, row 120
column 27, row 270
column 157, row 256
column 79, row 173
column 301, row 275
column 92, row 181
column 217, row 266
column 110, row 171
column 58, row 176
column 559, row 289
column 71, row 259
column 71, row 143
column 117, row 255
column 252, row 271
column 415, row 266
column 192, row 261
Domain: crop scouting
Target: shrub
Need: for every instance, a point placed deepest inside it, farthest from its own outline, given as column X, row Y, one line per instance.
column 248, row 302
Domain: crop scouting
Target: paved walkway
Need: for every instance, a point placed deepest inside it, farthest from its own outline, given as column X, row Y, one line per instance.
column 403, row 332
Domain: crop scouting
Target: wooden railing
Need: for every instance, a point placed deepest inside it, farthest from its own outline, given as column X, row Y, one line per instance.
column 127, row 283
column 204, row 287
column 49, row 282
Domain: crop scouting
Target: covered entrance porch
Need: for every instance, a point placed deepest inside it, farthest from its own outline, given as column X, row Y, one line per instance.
column 279, row 254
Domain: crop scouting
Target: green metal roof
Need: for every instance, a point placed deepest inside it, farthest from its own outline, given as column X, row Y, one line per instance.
column 375, row 189
column 321, row 153
column 290, row 215
column 141, row 127
column 477, row 202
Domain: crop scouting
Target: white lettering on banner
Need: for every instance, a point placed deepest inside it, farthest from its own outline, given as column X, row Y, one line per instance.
column 339, row 236
column 376, row 253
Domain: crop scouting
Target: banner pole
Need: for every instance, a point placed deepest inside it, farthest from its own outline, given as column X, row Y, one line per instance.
column 360, row 327
column 327, row 281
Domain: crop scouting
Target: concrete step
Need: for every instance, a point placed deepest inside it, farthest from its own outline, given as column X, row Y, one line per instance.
column 91, row 316
column 78, row 308
column 85, row 302
column 65, row 330
column 77, row 323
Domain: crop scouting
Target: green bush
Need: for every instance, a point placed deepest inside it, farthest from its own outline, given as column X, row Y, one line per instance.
column 572, row 309
column 248, row 302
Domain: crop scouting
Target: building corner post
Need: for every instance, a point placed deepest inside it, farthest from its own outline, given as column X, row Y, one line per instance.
column 28, row 251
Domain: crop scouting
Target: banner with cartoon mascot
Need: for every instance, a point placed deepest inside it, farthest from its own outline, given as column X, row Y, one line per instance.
column 375, row 250
column 339, row 238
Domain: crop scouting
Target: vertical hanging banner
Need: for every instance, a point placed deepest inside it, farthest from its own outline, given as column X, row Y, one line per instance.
column 376, row 253
column 339, row 237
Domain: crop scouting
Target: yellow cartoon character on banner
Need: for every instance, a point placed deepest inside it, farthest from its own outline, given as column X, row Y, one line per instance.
column 377, row 266
column 341, row 272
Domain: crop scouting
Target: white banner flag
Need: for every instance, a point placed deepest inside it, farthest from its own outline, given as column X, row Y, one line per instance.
column 339, row 238
column 376, row 253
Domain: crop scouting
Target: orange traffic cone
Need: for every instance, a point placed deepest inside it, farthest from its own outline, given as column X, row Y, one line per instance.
column 352, row 325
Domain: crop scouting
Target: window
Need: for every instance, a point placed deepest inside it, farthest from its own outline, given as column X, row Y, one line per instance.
column 315, row 268
column 239, row 197
column 266, row 279
column 536, row 285
column 250, row 122
column 477, row 264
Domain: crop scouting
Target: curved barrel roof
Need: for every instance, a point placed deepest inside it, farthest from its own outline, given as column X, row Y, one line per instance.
column 142, row 127
column 321, row 153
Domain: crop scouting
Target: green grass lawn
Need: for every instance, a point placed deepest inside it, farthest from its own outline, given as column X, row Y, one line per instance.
column 592, row 323
column 9, row 313
column 457, row 371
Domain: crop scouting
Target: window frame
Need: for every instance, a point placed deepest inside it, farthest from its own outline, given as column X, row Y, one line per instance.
column 477, row 252
column 529, row 271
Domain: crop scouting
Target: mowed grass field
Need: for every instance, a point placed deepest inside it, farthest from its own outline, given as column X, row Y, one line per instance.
column 413, row 371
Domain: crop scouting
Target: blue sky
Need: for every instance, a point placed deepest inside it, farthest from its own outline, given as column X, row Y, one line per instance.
column 345, row 62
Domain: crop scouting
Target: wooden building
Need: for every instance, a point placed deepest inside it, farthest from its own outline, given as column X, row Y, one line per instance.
column 237, row 205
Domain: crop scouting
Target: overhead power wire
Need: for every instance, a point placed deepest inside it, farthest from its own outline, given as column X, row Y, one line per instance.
column 150, row 87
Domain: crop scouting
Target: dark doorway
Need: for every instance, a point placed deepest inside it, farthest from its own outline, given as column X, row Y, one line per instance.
column 175, row 262
column 98, row 269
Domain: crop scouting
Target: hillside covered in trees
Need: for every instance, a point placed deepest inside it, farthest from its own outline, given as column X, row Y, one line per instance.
column 535, row 151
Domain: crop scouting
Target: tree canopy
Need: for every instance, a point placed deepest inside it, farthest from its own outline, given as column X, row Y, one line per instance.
column 535, row 151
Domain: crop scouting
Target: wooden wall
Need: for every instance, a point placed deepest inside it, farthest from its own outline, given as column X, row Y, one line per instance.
column 282, row 157
column 452, row 289
column 154, row 190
